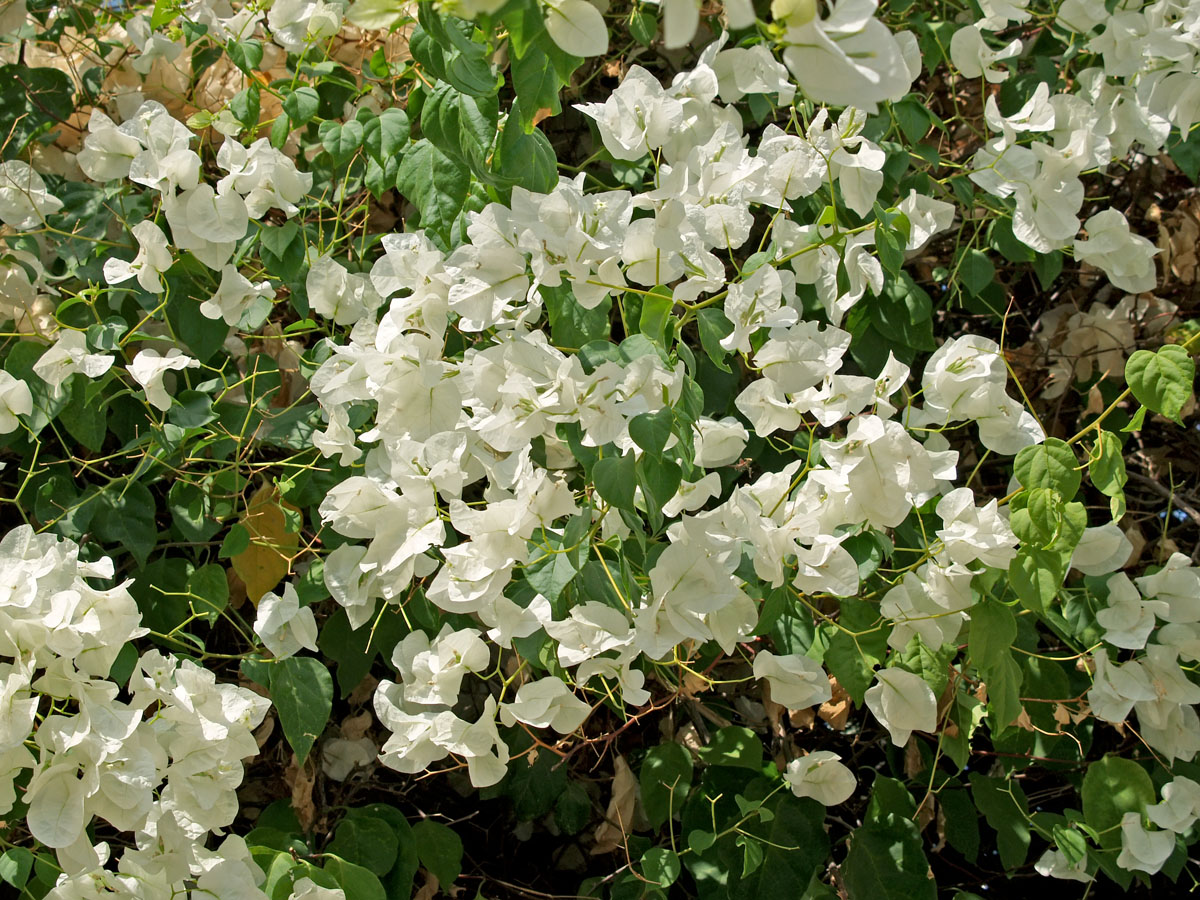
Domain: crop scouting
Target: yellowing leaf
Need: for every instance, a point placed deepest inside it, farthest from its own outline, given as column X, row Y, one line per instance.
column 268, row 559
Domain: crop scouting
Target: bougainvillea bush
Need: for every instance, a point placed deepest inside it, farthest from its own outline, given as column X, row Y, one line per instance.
column 506, row 448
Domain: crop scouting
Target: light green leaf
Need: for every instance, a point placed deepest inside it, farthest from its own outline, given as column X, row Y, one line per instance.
column 1112, row 787
column 1162, row 380
column 1051, row 464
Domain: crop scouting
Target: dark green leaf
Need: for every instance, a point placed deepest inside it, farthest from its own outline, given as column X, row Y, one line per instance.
column 302, row 692
column 666, row 778
column 440, row 850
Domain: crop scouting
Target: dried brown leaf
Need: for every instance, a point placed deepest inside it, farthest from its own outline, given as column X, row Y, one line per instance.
column 618, row 819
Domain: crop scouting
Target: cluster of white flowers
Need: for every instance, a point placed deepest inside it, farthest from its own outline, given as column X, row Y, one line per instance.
column 441, row 426
column 469, row 462
column 160, row 760
column 1150, row 50
column 1153, row 684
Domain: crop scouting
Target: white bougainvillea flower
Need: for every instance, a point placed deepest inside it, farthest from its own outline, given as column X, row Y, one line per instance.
column 68, row 356
column 796, row 681
column 821, row 775
column 719, row 442
column 235, row 294
column 903, row 703
column 15, row 400
column 577, row 27
column 307, row 889
column 1177, row 583
column 546, row 703
column 926, row 217
column 152, row 45
column 295, row 24
column 153, row 258
column 1055, row 864
column 108, row 151
column 1128, row 619
column 338, row 294
column 283, row 625
column 1143, row 850
column 637, row 117
column 972, row 533
column 1101, row 549
column 1126, row 258
column 149, row 367
column 24, row 200
column 849, row 58
column 974, row 58
column 1180, row 806
column 432, row 671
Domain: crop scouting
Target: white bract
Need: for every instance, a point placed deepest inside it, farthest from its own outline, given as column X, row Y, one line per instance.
column 149, row 368
column 822, row 776
column 903, row 703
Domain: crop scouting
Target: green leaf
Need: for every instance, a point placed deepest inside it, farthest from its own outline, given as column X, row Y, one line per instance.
column 1047, row 267
column 246, row 55
column 962, row 822
column 1107, row 471
column 651, row 431
column 733, row 746
column 356, row 881
column 210, row 589
column 235, row 542
column 904, row 312
column 1003, row 679
column 378, row 15
column 17, row 863
column 665, row 778
column 367, row 842
column 850, row 664
column 185, row 290
column 1162, row 380
column 526, row 159
column 34, row 102
column 386, row 135
column 436, row 184
column 659, row 480
column 302, row 691
column 573, row 809
column 975, row 271
column 125, row 516
column 615, row 478
column 793, row 845
column 86, row 416
column 341, row 139
column 1184, row 151
column 1112, row 787
column 440, row 851
column 713, row 328
column 1051, row 464
column 643, row 25
column 887, row 862
column 537, row 85
column 993, row 629
column 1004, row 806
column 1035, row 576
column 656, row 310
column 661, row 866
column 301, row 105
